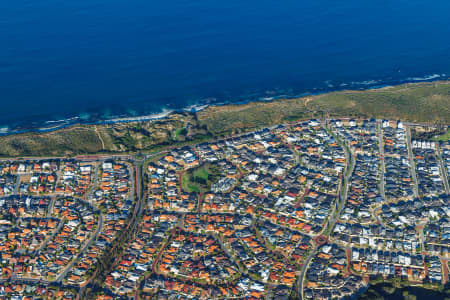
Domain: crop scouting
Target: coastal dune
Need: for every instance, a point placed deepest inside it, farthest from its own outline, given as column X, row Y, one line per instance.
column 426, row 102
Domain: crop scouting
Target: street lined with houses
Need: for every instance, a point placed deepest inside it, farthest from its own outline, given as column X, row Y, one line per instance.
column 314, row 208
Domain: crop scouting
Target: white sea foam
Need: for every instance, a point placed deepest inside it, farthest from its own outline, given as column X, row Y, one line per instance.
column 195, row 107
column 365, row 82
column 4, row 129
column 63, row 120
column 204, row 103
column 156, row 116
column 424, row 78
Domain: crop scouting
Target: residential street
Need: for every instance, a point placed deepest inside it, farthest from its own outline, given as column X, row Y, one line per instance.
column 412, row 162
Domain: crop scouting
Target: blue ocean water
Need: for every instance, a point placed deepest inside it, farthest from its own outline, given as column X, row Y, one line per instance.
column 101, row 58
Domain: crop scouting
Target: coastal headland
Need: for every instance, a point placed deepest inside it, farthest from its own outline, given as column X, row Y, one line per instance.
column 425, row 102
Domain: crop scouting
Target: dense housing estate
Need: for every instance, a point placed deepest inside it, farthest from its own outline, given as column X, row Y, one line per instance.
column 314, row 209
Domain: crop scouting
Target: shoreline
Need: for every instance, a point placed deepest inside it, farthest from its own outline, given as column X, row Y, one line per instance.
column 342, row 88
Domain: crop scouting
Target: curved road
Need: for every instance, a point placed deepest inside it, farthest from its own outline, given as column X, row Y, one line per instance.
column 348, row 171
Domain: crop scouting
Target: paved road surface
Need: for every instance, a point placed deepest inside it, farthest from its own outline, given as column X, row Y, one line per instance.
column 412, row 162
column 382, row 162
column 333, row 218
column 62, row 275
column 443, row 170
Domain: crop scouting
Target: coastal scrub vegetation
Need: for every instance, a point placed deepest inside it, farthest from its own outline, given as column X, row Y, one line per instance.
column 421, row 102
